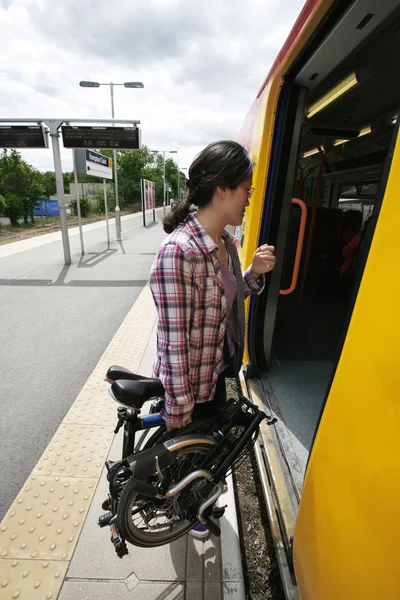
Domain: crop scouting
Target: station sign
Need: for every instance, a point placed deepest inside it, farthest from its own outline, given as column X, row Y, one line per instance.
column 23, row 136
column 94, row 164
column 110, row 138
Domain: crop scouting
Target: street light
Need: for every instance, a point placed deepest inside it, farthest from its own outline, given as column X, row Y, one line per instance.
column 134, row 84
column 89, row 84
column 127, row 84
column 163, row 153
column 179, row 189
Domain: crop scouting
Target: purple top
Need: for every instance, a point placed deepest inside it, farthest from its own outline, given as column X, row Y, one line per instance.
column 230, row 289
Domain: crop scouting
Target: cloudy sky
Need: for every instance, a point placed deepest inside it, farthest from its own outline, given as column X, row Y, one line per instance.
column 201, row 62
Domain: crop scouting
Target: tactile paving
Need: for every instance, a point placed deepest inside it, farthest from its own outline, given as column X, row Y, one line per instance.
column 129, row 354
column 93, row 407
column 40, row 531
column 31, row 579
column 76, row 451
column 46, row 518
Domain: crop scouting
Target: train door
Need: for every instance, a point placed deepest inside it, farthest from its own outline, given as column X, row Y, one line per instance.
column 322, row 206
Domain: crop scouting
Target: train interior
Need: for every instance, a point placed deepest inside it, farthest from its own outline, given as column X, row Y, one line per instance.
column 343, row 150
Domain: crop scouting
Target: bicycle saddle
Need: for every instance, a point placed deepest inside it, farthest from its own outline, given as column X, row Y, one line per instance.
column 135, row 393
column 116, row 372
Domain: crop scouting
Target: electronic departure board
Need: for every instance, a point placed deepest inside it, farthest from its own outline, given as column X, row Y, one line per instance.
column 22, row 136
column 111, row 138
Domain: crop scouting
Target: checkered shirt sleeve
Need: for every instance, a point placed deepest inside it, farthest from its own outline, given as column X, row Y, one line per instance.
column 251, row 284
column 171, row 286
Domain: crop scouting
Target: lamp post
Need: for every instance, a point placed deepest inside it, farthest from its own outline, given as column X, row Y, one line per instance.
column 127, row 84
column 179, row 189
column 163, row 152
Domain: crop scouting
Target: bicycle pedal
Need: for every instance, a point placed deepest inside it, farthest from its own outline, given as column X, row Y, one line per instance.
column 119, row 544
column 219, row 511
column 105, row 519
column 120, row 547
column 106, row 504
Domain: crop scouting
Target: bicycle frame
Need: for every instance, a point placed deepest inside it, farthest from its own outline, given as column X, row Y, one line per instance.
column 155, row 420
column 152, row 457
column 133, row 423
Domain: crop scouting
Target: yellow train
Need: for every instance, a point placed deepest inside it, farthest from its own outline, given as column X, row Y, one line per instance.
column 323, row 342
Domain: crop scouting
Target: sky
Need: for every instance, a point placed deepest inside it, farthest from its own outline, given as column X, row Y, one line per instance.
column 202, row 63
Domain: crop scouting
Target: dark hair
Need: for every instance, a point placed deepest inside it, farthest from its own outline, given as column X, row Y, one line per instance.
column 223, row 163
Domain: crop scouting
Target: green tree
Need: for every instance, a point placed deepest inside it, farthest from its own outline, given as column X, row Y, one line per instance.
column 171, row 176
column 13, row 208
column 33, row 192
column 99, row 199
column 84, row 206
column 13, row 183
column 68, row 178
column 20, row 185
column 142, row 164
column 49, row 183
column 154, row 172
column 131, row 165
column 2, row 205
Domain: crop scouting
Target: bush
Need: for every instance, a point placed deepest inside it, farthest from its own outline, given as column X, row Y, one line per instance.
column 98, row 200
column 133, row 208
column 85, row 207
column 13, row 208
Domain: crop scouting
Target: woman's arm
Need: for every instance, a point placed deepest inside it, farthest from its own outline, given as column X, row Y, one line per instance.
column 254, row 277
column 251, row 284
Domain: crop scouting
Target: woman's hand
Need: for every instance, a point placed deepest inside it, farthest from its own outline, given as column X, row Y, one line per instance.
column 171, row 427
column 263, row 260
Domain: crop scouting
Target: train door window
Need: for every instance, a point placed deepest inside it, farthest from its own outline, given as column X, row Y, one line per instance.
column 343, row 149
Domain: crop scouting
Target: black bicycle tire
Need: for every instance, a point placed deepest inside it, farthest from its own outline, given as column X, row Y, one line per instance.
column 124, row 521
column 155, row 438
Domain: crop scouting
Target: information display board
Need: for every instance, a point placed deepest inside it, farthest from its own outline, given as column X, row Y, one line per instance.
column 23, row 136
column 110, row 138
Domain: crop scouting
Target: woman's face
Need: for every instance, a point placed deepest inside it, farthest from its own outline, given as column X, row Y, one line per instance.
column 236, row 201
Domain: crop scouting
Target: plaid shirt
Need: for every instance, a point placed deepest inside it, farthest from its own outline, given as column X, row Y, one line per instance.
column 188, row 291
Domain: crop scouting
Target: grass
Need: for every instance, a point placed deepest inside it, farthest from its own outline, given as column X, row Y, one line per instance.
column 10, row 233
column 29, row 225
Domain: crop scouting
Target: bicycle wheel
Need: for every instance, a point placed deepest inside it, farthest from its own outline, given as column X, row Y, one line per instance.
column 150, row 522
column 203, row 426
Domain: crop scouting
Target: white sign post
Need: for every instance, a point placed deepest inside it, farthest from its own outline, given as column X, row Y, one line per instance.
column 106, row 209
column 94, row 164
column 78, row 202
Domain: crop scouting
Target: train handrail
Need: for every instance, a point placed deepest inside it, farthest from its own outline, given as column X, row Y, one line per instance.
column 299, row 249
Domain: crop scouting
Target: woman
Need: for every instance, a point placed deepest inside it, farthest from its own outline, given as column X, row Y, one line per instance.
column 198, row 287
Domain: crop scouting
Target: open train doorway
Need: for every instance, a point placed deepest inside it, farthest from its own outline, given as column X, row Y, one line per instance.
column 343, row 140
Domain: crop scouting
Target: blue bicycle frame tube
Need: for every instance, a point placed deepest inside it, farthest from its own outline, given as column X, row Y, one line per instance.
column 150, row 421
